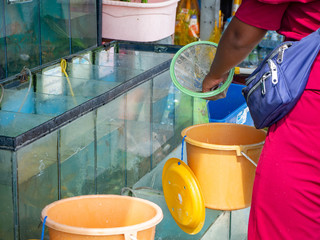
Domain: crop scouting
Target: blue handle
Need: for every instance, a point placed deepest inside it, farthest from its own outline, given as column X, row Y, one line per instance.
column 182, row 147
column 43, row 227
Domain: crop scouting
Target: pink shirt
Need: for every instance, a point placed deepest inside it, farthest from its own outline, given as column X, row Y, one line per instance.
column 293, row 19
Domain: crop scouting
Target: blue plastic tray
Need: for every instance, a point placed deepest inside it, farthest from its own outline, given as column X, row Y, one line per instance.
column 231, row 109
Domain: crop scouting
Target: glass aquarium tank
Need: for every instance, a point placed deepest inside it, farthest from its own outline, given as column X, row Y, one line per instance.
column 36, row 32
column 121, row 119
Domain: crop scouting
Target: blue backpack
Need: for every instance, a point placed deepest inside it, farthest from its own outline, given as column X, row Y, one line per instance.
column 274, row 88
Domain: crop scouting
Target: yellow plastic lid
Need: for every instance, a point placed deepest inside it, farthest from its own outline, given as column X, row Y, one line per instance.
column 183, row 196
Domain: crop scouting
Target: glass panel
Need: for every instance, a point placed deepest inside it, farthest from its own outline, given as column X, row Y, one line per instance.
column 38, row 182
column 66, row 27
column 183, row 112
column 87, row 88
column 163, row 107
column 2, row 42
column 54, row 30
column 111, row 74
column 83, row 24
column 45, row 104
column 101, row 152
column 13, row 124
column 18, row 101
column 138, row 131
column 136, row 61
column 77, row 156
column 55, row 105
column 160, row 51
column 22, row 32
column 6, row 206
column 111, row 155
column 86, row 71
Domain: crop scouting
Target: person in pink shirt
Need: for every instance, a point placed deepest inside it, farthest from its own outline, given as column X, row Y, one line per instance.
column 286, row 192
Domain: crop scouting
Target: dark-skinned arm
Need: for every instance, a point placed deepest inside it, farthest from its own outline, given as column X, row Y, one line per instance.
column 236, row 43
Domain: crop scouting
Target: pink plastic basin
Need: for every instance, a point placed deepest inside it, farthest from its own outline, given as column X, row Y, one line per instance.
column 136, row 21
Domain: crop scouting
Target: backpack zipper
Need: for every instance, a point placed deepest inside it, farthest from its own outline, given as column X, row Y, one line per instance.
column 260, row 82
column 280, row 51
column 274, row 71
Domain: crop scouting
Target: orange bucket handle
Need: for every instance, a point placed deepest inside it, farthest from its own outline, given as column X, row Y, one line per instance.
column 243, row 149
column 250, row 160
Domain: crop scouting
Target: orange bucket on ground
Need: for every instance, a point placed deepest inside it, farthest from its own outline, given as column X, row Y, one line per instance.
column 219, row 155
column 102, row 217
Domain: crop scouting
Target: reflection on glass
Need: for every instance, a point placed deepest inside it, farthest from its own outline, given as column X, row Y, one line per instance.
column 54, row 70
column 37, row 182
column 22, row 36
column 6, row 206
column 83, row 58
column 51, row 84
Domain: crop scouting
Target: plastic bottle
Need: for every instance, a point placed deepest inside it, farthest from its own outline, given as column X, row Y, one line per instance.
column 193, row 27
column 187, row 22
column 246, row 62
column 262, row 53
column 200, row 111
column 214, row 33
column 235, row 6
column 265, row 41
column 274, row 36
column 168, row 114
column 253, row 58
column 227, row 23
column 217, row 31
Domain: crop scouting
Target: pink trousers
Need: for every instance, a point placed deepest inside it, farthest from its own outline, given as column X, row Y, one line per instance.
column 286, row 192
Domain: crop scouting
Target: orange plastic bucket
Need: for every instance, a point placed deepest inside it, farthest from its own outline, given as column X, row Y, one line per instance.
column 218, row 154
column 102, row 217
